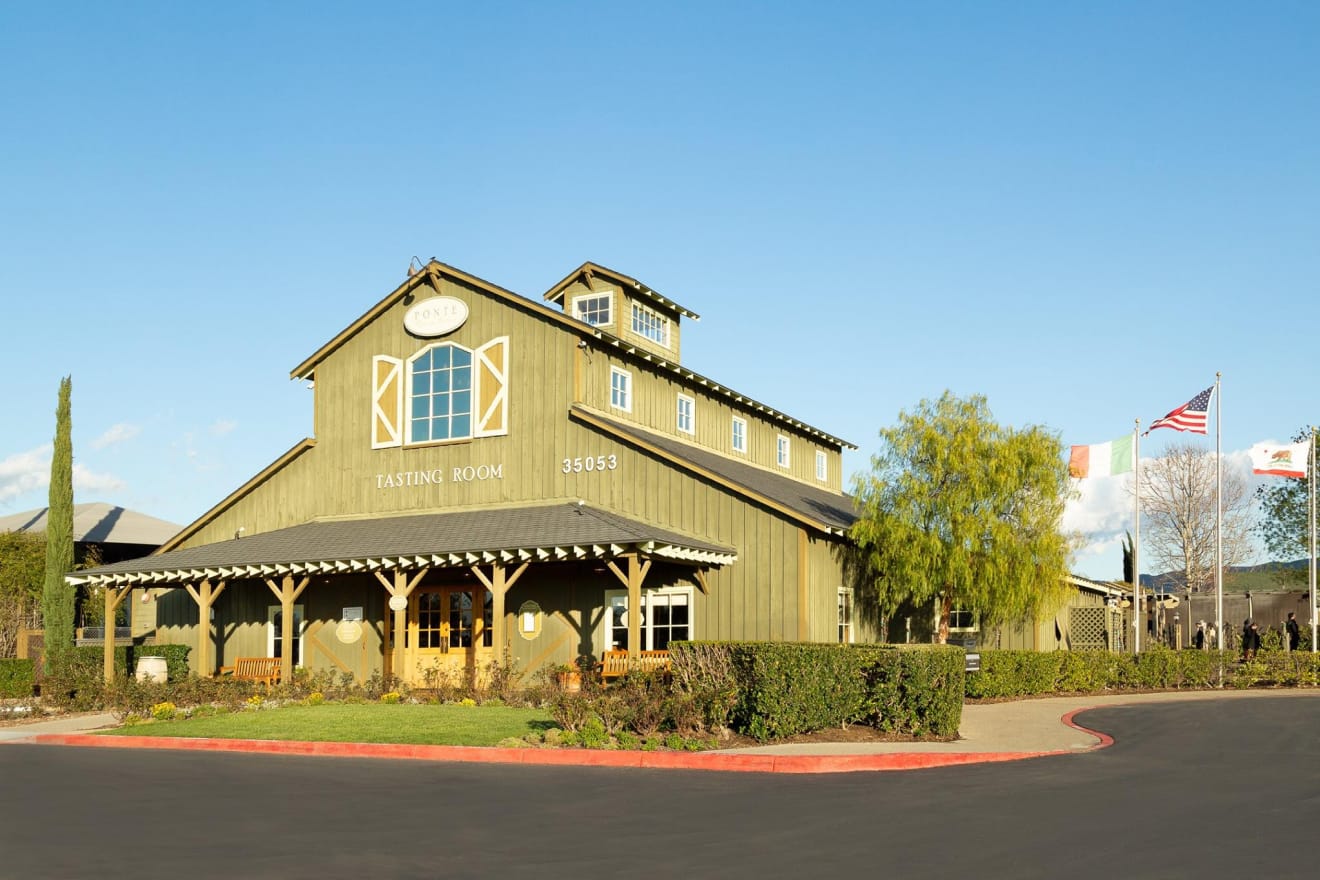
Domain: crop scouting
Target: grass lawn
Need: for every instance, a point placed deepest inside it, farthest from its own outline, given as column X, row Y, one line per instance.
column 443, row 724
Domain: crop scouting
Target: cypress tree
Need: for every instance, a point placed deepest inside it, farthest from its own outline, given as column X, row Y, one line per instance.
column 57, row 599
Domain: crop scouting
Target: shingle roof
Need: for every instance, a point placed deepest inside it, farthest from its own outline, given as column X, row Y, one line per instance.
column 831, row 510
column 545, row 532
column 100, row 523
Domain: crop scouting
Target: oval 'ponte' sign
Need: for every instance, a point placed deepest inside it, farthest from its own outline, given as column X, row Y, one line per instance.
column 435, row 316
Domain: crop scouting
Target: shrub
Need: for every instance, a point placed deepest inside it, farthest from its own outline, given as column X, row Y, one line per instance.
column 164, row 711
column 16, row 678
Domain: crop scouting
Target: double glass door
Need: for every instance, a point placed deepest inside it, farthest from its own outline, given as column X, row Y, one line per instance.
column 449, row 627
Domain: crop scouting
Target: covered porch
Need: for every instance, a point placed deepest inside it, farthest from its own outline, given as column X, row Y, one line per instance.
column 445, row 577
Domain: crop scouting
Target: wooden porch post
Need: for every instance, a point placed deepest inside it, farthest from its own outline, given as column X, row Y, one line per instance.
column 499, row 583
column 399, row 589
column 205, row 595
column 287, row 593
column 112, row 599
column 637, row 569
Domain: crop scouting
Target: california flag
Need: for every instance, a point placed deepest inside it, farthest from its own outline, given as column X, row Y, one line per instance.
column 1280, row 461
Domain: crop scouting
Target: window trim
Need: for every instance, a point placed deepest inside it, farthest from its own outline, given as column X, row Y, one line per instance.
column 733, row 435
column 607, row 622
column 960, row 610
column 783, row 451
column 848, row 601
column 662, row 321
column 607, row 295
column 300, row 621
column 408, row 397
column 691, row 414
column 625, row 393
column 822, row 466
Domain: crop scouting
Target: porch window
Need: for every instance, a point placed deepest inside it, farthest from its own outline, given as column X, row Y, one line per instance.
column 666, row 617
column 962, row 620
column 275, row 632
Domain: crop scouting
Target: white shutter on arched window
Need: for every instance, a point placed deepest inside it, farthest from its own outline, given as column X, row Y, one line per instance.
column 491, row 378
column 386, row 402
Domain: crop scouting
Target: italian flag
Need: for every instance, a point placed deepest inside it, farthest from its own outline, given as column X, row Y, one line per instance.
column 1281, row 461
column 1102, row 459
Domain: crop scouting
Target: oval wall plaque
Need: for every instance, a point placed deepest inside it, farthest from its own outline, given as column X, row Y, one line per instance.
column 435, row 316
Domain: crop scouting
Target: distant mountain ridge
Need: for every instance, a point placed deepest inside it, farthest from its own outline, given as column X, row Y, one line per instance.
column 1238, row 578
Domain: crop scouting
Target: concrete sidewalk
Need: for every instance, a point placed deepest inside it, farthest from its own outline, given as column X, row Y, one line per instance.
column 1005, row 731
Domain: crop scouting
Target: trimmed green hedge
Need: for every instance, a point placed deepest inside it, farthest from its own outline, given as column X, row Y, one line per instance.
column 772, row 690
column 1032, row 673
column 16, row 677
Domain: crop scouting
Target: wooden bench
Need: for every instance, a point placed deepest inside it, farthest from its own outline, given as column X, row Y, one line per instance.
column 264, row 669
column 616, row 664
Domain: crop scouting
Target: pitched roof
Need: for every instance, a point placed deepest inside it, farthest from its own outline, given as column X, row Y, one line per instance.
column 512, row 534
column 99, row 523
column 556, row 293
column 829, row 511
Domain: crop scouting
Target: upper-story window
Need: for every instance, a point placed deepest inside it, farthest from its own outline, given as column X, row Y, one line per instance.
column 442, row 392
column 687, row 420
column 597, row 309
column 739, row 440
column 621, row 389
column 440, row 399
column 650, row 324
column 822, row 468
column 781, row 451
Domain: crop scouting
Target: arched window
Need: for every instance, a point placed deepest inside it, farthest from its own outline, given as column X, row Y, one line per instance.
column 440, row 397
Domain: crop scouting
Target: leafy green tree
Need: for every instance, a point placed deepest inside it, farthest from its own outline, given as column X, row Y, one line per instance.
column 961, row 511
column 1285, row 520
column 22, row 567
column 57, row 602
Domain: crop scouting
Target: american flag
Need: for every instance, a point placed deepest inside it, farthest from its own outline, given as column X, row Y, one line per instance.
column 1188, row 417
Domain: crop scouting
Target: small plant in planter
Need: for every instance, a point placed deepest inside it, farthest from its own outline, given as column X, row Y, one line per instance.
column 569, row 678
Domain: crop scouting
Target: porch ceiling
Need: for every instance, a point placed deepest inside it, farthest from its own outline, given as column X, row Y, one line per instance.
column 545, row 533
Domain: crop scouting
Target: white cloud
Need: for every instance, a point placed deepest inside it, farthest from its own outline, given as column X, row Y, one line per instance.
column 116, row 434
column 223, row 427
column 24, row 471
column 85, row 480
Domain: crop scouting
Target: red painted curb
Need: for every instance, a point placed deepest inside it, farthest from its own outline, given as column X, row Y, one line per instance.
column 744, row 763
column 1105, row 739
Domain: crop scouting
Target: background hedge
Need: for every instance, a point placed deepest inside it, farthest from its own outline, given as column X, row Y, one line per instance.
column 78, row 682
column 1032, row 673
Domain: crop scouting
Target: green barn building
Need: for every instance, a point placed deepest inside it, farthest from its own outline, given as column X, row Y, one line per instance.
column 492, row 476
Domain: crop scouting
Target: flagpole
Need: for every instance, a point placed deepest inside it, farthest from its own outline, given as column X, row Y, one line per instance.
column 1219, row 511
column 1138, row 619
column 1312, row 575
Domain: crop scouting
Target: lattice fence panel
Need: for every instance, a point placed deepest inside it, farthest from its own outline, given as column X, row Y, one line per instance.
column 1089, row 629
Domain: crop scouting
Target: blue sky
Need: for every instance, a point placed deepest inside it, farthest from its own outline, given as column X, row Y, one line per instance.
column 1080, row 212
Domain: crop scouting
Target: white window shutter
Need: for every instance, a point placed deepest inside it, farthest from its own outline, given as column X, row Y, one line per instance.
column 386, row 402
column 491, row 389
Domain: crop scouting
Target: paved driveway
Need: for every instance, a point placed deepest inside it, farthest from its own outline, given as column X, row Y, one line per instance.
column 1207, row 787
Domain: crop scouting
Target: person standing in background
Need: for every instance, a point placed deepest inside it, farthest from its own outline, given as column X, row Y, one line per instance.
column 1294, row 631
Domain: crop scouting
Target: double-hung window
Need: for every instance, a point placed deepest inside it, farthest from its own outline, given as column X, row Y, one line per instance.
column 739, row 440
column 687, row 419
column 845, row 615
column 620, row 389
column 649, row 324
column 781, row 451
column 822, row 468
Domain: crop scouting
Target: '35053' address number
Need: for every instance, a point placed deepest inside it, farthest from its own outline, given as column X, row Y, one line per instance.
column 599, row 463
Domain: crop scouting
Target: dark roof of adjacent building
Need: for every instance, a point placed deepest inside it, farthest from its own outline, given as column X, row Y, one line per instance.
column 99, row 523
column 831, row 511
column 512, row 534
